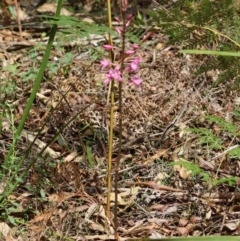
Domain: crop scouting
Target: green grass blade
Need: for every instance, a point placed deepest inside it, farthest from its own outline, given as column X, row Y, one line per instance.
column 209, row 52
column 89, row 156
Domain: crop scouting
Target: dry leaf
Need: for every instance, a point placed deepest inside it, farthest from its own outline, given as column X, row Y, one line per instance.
column 10, row 2
column 2, row 187
column 70, row 157
column 209, row 214
column 9, row 237
column 91, row 210
column 157, row 206
column 97, row 227
column 155, row 235
column 235, row 209
column 231, row 226
column 183, row 171
column 125, row 198
column 38, row 223
column 237, row 100
column 39, row 144
column 158, row 221
column 155, row 156
column 6, row 125
column 160, row 177
column 52, row 7
column 5, row 229
column 183, row 222
column 182, row 231
column 195, row 219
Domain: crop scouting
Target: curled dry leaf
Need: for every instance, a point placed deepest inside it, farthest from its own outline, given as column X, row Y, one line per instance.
column 10, row 2
column 157, row 155
column 5, row 229
column 52, row 7
column 10, row 237
column 195, row 230
column 157, row 206
column 209, row 214
column 125, row 198
column 183, row 222
column 237, row 100
column 183, row 231
column 2, row 187
column 38, row 223
column 70, row 157
column 154, row 185
column 183, row 171
column 6, row 125
column 235, row 209
column 155, row 235
column 158, row 221
column 160, row 177
column 231, row 226
column 195, row 219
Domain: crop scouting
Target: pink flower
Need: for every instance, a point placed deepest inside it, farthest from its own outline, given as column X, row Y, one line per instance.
column 113, row 74
column 134, row 65
column 129, row 19
column 135, row 46
column 118, row 19
column 129, row 52
column 104, row 63
column 118, row 30
column 124, row 5
column 108, row 47
column 136, row 80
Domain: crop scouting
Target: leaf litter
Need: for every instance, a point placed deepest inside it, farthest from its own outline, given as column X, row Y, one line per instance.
column 155, row 199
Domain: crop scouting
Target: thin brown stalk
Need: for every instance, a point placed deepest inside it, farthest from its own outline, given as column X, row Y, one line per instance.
column 120, row 128
column 18, row 18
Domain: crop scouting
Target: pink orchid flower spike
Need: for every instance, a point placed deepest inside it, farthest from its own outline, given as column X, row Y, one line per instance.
column 104, row 63
column 136, row 81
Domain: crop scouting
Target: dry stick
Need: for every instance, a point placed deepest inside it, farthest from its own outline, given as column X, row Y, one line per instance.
column 155, row 186
column 18, row 19
column 120, row 126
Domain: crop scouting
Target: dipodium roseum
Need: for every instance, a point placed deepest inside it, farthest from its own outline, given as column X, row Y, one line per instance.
column 134, row 64
column 113, row 74
column 104, row 63
column 116, row 71
column 136, row 81
column 108, row 47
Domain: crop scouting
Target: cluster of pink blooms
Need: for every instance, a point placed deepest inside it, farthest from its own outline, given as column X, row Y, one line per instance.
column 113, row 70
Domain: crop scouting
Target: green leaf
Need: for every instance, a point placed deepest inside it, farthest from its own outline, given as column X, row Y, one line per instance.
column 224, row 125
column 89, row 156
column 42, row 193
column 67, row 59
column 11, row 68
column 235, row 153
column 11, row 220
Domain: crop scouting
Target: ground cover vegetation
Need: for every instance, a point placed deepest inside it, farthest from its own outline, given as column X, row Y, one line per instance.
column 109, row 130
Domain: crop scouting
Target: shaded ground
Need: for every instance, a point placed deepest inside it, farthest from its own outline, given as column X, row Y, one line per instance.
column 63, row 197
